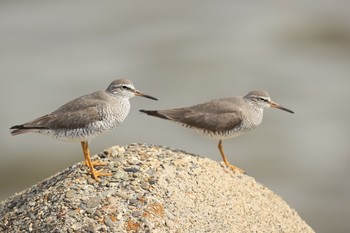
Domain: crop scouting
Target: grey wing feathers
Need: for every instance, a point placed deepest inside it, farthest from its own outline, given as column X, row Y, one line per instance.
column 75, row 114
column 216, row 122
column 215, row 117
column 68, row 120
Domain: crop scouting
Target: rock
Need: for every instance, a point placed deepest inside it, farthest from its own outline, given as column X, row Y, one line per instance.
column 152, row 181
column 154, row 189
column 93, row 202
column 132, row 170
column 109, row 222
column 136, row 214
column 121, row 194
column 70, row 194
column 145, row 185
column 119, row 174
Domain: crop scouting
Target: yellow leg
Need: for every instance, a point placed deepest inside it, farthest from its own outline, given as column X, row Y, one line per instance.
column 95, row 174
column 232, row 167
column 87, row 158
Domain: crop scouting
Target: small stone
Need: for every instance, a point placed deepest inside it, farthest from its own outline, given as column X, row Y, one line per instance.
column 36, row 224
column 122, row 195
column 121, row 150
column 112, row 200
column 152, row 181
column 93, row 202
column 145, row 185
column 102, row 155
column 169, row 214
column 133, row 201
column 119, row 216
column 132, row 169
column 119, row 174
column 89, row 229
column 136, row 214
column 133, row 161
column 151, row 172
column 104, row 183
column 21, row 209
column 169, row 223
column 109, row 185
column 72, row 213
column 49, row 219
column 31, row 203
column 108, row 221
column 70, row 194
column 76, row 226
column 115, row 151
column 91, row 180
column 74, row 206
column 98, row 213
column 135, row 188
column 87, row 210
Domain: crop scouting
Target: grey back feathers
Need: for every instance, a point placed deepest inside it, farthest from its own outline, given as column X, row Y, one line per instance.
column 216, row 116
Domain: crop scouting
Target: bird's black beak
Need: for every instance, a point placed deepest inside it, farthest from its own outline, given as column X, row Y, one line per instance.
column 138, row 93
column 275, row 105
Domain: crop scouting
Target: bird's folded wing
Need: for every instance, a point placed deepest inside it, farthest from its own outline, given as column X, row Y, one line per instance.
column 215, row 122
column 65, row 120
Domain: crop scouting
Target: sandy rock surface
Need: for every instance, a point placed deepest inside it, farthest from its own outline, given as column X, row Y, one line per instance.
column 153, row 189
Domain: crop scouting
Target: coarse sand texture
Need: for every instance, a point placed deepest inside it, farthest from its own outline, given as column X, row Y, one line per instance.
column 152, row 189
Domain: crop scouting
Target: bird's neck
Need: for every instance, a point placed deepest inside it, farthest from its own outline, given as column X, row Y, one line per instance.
column 255, row 115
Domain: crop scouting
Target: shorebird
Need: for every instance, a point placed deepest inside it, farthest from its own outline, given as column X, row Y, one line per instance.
column 222, row 118
column 86, row 117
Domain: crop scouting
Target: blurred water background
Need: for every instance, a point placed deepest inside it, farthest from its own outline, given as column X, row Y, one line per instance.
column 187, row 52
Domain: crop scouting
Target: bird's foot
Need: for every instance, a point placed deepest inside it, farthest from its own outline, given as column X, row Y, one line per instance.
column 235, row 169
column 96, row 173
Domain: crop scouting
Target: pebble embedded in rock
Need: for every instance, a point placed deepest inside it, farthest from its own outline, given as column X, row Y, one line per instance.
column 86, row 209
column 91, row 180
column 169, row 223
column 89, row 229
column 108, row 221
column 131, row 170
column 76, row 226
column 102, row 155
column 133, row 201
column 98, row 213
column 136, row 214
column 145, row 185
column 152, row 181
column 122, row 194
column 119, row 174
column 70, row 194
column 169, row 214
column 72, row 213
column 93, row 202
column 112, row 200
column 151, row 171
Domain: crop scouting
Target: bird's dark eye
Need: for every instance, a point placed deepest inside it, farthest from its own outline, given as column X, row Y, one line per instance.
column 262, row 99
column 125, row 87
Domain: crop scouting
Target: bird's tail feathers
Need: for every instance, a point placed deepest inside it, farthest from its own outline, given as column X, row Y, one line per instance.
column 21, row 129
column 155, row 113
